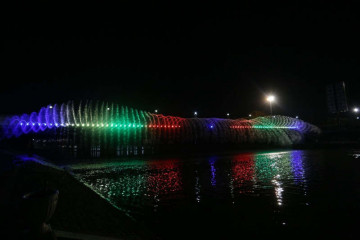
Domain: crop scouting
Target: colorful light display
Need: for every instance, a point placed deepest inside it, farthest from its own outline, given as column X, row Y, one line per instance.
column 114, row 124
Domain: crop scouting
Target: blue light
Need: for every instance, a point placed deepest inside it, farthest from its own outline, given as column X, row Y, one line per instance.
column 211, row 126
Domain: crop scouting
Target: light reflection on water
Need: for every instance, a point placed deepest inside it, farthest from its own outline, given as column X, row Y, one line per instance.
column 151, row 184
column 249, row 191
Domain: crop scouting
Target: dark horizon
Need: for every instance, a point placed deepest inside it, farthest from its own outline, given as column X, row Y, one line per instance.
column 178, row 59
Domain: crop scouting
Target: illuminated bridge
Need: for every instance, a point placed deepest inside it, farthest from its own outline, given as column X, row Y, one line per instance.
column 95, row 125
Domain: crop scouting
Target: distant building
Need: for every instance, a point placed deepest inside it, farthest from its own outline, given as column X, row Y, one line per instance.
column 336, row 97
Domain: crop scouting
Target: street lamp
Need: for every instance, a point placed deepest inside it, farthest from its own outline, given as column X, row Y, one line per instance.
column 270, row 99
column 356, row 110
column 228, row 114
column 195, row 114
column 156, row 110
column 250, row 115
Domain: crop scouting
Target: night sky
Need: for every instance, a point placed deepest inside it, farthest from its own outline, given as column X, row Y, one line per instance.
column 181, row 58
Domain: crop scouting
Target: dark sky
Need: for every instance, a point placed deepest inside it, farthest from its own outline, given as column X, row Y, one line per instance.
column 182, row 57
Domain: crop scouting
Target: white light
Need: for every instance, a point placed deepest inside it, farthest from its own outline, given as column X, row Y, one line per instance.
column 156, row 110
column 108, row 109
column 250, row 115
column 228, row 114
column 357, row 118
column 297, row 117
column 50, row 106
column 195, row 113
column 270, row 98
column 356, row 110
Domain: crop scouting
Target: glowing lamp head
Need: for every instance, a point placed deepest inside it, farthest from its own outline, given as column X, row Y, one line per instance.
column 108, row 109
column 356, row 110
column 50, row 106
column 156, row 110
column 250, row 115
column 228, row 114
column 270, row 98
column 195, row 113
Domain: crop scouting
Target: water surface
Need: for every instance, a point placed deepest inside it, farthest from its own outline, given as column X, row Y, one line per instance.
column 256, row 194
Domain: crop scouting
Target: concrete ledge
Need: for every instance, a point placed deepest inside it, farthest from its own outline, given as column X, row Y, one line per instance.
column 80, row 236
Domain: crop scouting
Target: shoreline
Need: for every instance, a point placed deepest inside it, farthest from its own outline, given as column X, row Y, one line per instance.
column 79, row 208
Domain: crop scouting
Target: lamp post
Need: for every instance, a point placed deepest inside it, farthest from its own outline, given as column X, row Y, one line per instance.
column 356, row 111
column 270, row 99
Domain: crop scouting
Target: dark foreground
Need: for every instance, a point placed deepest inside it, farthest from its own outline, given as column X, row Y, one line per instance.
column 259, row 195
column 79, row 209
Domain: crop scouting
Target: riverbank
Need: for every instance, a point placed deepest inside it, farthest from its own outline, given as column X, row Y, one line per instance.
column 79, row 209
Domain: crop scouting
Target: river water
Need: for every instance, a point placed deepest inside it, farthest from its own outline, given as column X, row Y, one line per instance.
column 281, row 194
